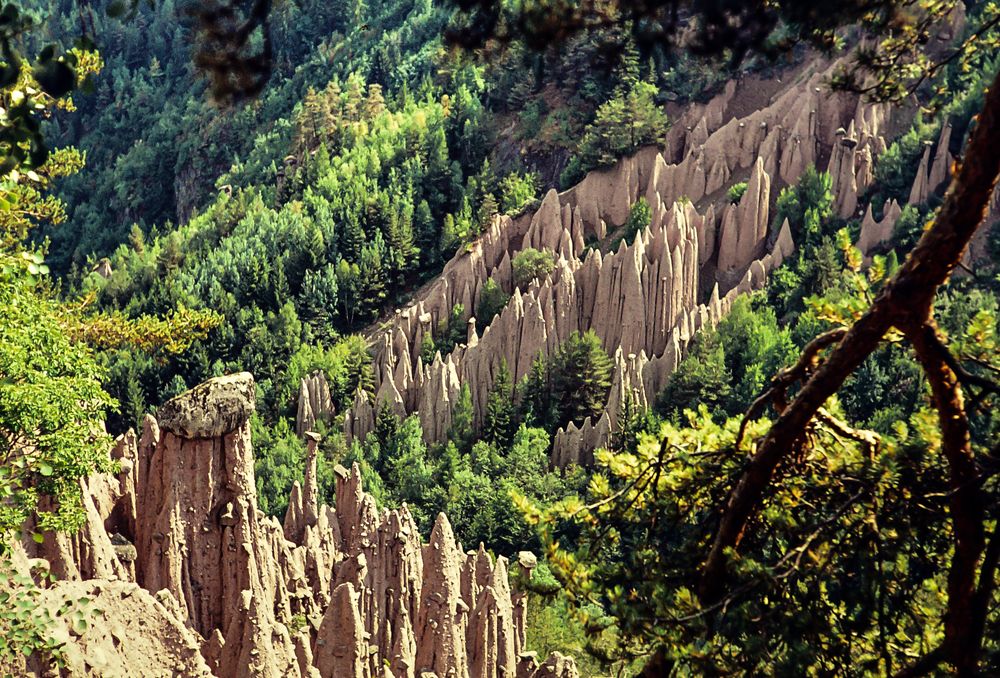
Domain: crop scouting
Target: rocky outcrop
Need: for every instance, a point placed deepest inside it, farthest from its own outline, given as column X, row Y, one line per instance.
column 359, row 420
column 744, row 226
column 874, row 233
column 600, row 203
column 556, row 666
column 125, row 631
column 641, row 301
column 303, row 505
column 575, row 445
column 211, row 410
column 200, row 536
column 643, row 298
column 932, row 174
column 103, row 268
column 349, row 592
column 341, row 642
column 921, row 189
column 97, row 550
column 943, row 160
column 315, row 403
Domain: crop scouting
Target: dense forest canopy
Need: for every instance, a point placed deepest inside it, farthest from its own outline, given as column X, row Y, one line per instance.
column 248, row 187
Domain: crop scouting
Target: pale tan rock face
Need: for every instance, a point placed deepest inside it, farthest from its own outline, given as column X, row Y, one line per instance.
column 874, row 232
column 90, row 553
column 921, row 182
column 350, row 592
column 643, row 297
column 784, row 245
column 360, row 419
column 843, row 173
column 744, row 226
column 443, row 613
column 315, row 403
column 638, row 295
column 130, row 634
column 213, row 409
column 310, row 500
column 941, row 168
column 199, row 534
column 103, row 268
column 341, row 646
column 294, row 514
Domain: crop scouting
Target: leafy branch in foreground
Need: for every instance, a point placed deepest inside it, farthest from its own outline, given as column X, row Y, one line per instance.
column 51, row 406
column 24, row 623
column 52, row 402
column 858, row 552
column 904, row 303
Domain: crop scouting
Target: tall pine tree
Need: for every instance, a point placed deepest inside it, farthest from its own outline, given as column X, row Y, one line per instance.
column 500, row 424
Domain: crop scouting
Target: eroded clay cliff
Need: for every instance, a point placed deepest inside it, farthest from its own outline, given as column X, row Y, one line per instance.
column 646, row 299
column 227, row 591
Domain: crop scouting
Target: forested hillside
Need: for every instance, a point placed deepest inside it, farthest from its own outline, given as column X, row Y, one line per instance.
column 309, row 213
column 692, row 303
column 337, row 138
column 159, row 150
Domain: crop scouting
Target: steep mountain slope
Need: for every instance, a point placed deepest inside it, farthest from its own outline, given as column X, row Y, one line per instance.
column 646, row 300
column 156, row 144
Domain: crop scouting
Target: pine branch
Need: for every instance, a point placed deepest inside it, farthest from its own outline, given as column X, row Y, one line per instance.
column 904, row 302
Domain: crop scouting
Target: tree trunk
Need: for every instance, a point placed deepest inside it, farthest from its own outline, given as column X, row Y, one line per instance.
column 658, row 666
column 906, row 303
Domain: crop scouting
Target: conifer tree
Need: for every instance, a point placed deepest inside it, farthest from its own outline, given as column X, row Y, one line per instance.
column 308, row 125
column 581, row 378
column 428, row 349
column 386, row 427
column 354, row 98
column 400, row 233
column 461, row 431
column 334, row 112
column 352, row 238
column 374, row 104
column 492, row 300
column 535, row 395
column 500, row 424
column 487, row 210
column 626, row 436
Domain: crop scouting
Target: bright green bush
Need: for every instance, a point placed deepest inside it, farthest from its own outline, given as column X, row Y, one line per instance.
column 530, row 264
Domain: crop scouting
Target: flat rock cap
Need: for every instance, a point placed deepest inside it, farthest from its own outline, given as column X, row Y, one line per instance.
column 211, row 409
column 527, row 560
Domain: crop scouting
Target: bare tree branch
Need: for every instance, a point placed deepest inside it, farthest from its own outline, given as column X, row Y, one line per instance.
column 867, row 438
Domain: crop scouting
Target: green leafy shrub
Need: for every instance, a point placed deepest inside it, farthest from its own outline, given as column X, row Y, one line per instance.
column 518, row 191
column 530, row 264
column 736, row 191
column 808, row 206
column 492, row 300
column 50, row 401
column 639, row 218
